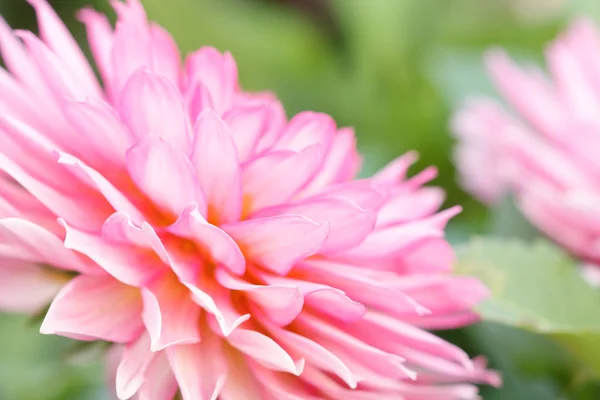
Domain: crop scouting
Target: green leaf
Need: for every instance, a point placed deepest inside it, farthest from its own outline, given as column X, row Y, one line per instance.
column 590, row 8
column 537, row 287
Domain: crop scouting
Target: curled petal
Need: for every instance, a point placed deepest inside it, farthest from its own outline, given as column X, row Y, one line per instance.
column 264, row 351
column 170, row 315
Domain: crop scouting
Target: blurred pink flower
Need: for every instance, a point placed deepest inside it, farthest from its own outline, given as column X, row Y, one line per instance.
column 545, row 150
column 229, row 253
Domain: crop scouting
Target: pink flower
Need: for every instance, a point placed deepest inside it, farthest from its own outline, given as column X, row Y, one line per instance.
column 545, row 150
column 227, row 252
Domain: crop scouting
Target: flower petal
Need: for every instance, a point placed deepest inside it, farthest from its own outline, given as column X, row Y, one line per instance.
column 36, row 244
column 274, row 178
column 42, row 286
column 112, row 195
column 280, row 303
column 170, row 315
column 165, row 174
column 56, row 35
column 100, row 38
column 349, row 224
column 278, row 243
column 216, row 300
column 219, row 246
column 104, row 133
column 265, row 351
column 200, row 369
column 315, row 354
column 150, row 104
column 247, row 125
column 126, row 262
column 307, row 129
column 159, row 381
column 135, row 360
column 90, row 308
column 215, row 157
column 215, row 71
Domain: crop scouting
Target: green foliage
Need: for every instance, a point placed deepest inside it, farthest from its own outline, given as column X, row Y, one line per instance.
column 538, row 288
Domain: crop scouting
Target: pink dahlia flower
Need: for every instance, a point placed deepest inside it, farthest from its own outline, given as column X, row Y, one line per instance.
column 544, row 151
column 227, row 252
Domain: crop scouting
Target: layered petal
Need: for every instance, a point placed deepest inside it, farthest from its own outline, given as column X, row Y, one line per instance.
column 91, row 308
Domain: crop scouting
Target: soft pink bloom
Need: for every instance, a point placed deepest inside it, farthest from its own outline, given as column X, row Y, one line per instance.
column 544, row 151
column 228, row 252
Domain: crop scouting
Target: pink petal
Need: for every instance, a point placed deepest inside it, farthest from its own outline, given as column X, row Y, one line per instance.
column 129, row 264
column 527, row 93
column 247, row 125
column 37, row 244
column 433, row 255
column 200, row 369
column 119, row 228
column 280, row 303
column 278, row 120
column 170, row 315
column 347, row 347
column 90, row 308
column 159, row 381
column 349, row 224
column 278, row 243
column 7, row 210
column 19, row 63
column 131, row 51
column 198, row 98
column 362, row 192
column 100, row 38
column 56, row 35
column 357, row 284
column 443, row 294
column 165, row 54
column 412, row 337
column 241, row 382
column 217, row 72
column 404, row 207
column 116, row 199
column 396, row 170
column 165, row 174
column 215, row 157
column 42, row 286
column 216, row 300
column 307, row 129
column 322, row 298
column 274, row 178
column 91, row 216
column 17, row 102
column 265, row 351
column 105, row 135
column 58, row 76
column 136, row 359
column 391, row 240
column 219, row 246
column 150, row 104
column 31, row 149
column 315, row 354
column 341, row 164
column 280, row 387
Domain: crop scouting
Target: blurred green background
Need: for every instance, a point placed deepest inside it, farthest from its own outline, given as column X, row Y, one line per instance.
column 393, row 69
